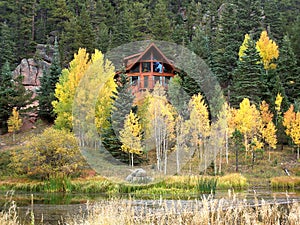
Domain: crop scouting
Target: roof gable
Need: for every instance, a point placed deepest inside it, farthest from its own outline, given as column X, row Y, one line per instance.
column 153, row 50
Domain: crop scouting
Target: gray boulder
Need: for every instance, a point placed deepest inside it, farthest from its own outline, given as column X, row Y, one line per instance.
column 139, row 176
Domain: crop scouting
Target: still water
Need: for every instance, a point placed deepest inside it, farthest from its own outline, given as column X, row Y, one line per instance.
column 55, row 207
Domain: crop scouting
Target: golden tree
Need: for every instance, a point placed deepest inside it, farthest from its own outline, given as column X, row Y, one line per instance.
column 130, row 136
column 199, row 126
column 268, row 50
column 14, row 122
column 267, row 128
column 162, row 124
column 291, row 121
column 247, row 121
column 244, row 46
column 66, row 88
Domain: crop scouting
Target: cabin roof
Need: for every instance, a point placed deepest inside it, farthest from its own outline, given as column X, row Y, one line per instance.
column 133, row 59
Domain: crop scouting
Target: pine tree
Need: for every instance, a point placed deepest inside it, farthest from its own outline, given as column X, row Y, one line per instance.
column 48, row 84
column 288, row 71
column 236, row 19
column 160, row 24
column 226, row 46
column 86, row 34
column 122, row 104
column 7, row 45
column 12, row 94
column 248, row 81
column 139, row 25
column 201, row 45
column 121, row 30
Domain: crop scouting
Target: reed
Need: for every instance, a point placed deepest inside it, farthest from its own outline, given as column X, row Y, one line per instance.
column 232, row 181
column 206, row 211
column 285, row 182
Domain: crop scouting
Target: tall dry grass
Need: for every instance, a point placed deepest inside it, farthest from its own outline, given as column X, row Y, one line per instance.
column 207, row 211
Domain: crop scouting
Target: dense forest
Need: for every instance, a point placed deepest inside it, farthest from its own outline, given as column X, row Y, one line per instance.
column 251, row 46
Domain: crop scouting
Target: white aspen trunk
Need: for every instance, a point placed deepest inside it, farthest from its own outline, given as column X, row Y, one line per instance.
column 226, row 145
column 177, row 150
column 246, row 145
column 131, row 159
column 220, row 161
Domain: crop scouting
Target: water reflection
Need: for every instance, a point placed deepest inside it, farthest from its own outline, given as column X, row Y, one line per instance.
column 52, row 208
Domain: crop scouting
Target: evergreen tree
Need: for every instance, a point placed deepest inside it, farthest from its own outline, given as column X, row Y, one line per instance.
column 227, row 45
column 295, row 39
column 121, row 107
column 69, row 42
column 12, row 94
column 271, row 20
column 248, row 80
column 48, row 84
column 86, row 34
column 121, row 31
column 201, row 45
column 288, row 71
column 25, row 25
column 7, row 45
column 122, row 104
column 139, row 25
column 160, row 24
column 237, row 19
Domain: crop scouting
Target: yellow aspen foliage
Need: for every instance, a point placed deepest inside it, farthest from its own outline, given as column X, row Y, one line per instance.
column 130, row 136
column 278, row 102
column 66, row 88
column 288, row 119
column 244, row 46
column 265, row 113
column 247, row 120
column 291, row 121
column 267, row 127
column 256, row 144
column 14, row 122
column 199, row 127
column 268, row 50
column 199, row 115
column 162, row 124
column 295, row 132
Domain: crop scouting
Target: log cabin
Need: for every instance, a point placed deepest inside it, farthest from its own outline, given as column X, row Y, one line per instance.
column 146, row 68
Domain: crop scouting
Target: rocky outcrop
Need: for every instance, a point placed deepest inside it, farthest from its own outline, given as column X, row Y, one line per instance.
column 32, row 69
column 139, row 176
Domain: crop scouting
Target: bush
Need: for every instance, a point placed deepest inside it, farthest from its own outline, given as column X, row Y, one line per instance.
column 54, row 153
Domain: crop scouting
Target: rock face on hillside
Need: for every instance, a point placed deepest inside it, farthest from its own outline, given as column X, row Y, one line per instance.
column 32, row 69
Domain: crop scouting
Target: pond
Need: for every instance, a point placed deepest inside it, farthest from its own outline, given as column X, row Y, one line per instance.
column 55, row 207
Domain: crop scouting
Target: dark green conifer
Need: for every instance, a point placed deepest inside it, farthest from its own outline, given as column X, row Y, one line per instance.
column 47, row 89
column 248, row 78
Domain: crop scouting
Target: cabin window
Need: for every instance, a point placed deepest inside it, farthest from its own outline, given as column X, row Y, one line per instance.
column 158, row 79
column 167, row 80
column 158, row 67
column 135, row 68
column 146, row 82
column 134, row 80
column 146, row 67
column 167, row 68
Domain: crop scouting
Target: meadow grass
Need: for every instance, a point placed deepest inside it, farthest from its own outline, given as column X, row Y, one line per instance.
column 180, row 186
column 285, row 182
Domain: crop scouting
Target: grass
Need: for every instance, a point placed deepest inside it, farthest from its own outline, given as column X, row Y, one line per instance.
column 232, row 181
column 285, row 182
column 172, row 186
column 206, row 211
